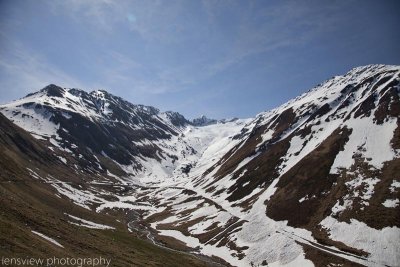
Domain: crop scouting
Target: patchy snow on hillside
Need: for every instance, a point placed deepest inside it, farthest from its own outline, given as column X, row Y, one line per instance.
column 88, row 224
column 383, row 245
column 267, row 240
column 83, row 198
column 126, row 202
column 370, row 140
column 35, row 120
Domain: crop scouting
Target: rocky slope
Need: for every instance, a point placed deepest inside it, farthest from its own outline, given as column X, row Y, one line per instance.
column 312, row 182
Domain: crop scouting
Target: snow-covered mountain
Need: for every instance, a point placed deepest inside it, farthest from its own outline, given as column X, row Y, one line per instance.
column 312, row 182
column 95, row 126
column 204, row 121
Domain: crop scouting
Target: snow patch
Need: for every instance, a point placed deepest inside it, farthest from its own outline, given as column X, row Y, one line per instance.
column 88, row 224
column 51, row 240
column 391, row 203
column 383, row 245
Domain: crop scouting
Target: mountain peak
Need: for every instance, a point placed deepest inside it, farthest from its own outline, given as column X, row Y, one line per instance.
column 372, row 67
column 50, row 90
column 176, row 118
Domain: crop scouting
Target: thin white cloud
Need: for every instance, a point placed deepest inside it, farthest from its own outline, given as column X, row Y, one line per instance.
column 156, row 22
column 164, row 24
column 272, row 28
column 100, row 13
column 24, row 71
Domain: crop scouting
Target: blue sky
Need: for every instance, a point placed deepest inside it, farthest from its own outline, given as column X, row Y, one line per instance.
column 218, row 58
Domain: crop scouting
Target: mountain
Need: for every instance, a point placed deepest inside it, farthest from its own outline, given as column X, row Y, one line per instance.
column 37, row 222
column 203, row 121
column 312, row 182
column 98, row 128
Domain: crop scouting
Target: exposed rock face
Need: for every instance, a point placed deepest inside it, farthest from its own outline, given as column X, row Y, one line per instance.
column 203, row 121
column 304, row 182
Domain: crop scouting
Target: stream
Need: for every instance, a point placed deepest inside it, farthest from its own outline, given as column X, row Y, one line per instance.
column 135, row 225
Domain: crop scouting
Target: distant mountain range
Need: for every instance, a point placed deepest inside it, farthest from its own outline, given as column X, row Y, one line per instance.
column 315, row 181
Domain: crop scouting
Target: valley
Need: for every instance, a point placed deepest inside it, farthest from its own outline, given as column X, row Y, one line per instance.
column 313, row 182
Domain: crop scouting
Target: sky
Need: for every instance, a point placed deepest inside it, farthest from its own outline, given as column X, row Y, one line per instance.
column 222, row 59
